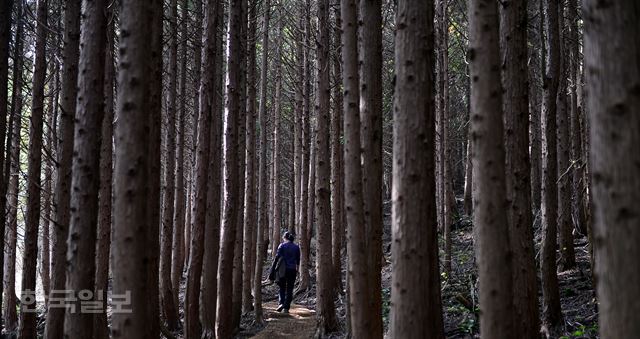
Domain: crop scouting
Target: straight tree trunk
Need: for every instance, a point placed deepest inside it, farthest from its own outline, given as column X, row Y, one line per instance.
column 5, row 38
column 241, row 143
column 306, row 206
column 371, row 119
column 169, row 309
column 490, row 204
column 324, row 266
column 224, row 321
column 513, row 41
column 179, row 221
column 359, row 315
column 263, row 181
column 69, row 90
column 536, row 121
column 27, row 327
column 199, row 240
column 416, row 310
column 552, row 316
column 154, row 177
column 447, row 202
column 134, row 230
column 277, row 203
column 611, row 33
column 105, row 196
column 577, row 161
column 565, row 224
column 209, row 288
column 11, row 176
column 249, row 246
column 337, row 170
column 85, row 184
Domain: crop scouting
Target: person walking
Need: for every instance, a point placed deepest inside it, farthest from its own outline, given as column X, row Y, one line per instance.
column 288, row 254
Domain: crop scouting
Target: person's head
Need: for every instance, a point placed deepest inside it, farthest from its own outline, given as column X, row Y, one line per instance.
column 288, row 236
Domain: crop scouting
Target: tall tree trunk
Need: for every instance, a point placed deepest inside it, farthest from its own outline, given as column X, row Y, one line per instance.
column 70, row 55
column 5, row 38
column 513, row 41
column 490, row 203
column 224, row 324
column 154, row 176
column 324, row 266
column 179, row 221
column 307, row 164
column 416, row 293
column 277, row 112
column 249, row 246
column 577, row 162
column 337, row 200
column 101, row 325
column 565, row 224
column 11, row 176
column 169, row 309
column 85, row 183
column 203, row 237
column 32, row 219
column 134, row 230
column 371, row 118
column 241, row 143
column 263, row 181
column 358, row 279
column 297, row 123
column 536, row 121
column 552, row 316
column 447, row 202
column 613, row 99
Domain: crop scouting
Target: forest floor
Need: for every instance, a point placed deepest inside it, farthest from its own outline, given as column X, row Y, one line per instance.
column 459, row 294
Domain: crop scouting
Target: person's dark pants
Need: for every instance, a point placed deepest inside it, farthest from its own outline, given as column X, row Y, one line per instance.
column 286, row 287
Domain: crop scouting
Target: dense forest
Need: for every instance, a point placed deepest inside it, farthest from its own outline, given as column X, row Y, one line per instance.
column 448, row 168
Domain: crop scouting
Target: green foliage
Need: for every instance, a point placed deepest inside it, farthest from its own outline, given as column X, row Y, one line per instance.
column 386, row 305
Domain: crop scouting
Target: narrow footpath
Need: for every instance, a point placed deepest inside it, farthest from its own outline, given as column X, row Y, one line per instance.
column 299, row 323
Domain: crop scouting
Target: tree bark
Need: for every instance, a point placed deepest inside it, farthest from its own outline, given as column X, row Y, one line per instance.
column 70, row 55
column 11, row 177
column 5, row 38
column 277, row 203
column 611, row 33
column 241, row 143
column 135, row 230
column 306, row 219
column 371, row 118
column 263, row 182
column 202, row 236
column 513, row 41
column 81, row 263
column 169, row 309
column 552, row 316
column 577, row 161
column 490, row 204
column 224, row 323
column 101, row 324
column 250, row 203
column 358, row 278
column 27, row 327
column 565, row 224
column 324, row 266
column 416, row 293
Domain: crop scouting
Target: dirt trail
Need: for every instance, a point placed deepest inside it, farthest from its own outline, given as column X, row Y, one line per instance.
column 299, row 323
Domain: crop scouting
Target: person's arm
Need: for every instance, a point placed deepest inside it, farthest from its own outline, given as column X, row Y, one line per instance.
column 275, row 260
